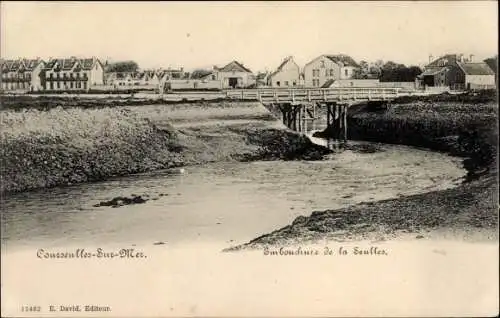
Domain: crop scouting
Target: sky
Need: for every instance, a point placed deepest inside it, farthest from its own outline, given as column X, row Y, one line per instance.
column 258, row 34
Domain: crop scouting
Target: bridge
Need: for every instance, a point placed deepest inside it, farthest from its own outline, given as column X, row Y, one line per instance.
column 299, row 107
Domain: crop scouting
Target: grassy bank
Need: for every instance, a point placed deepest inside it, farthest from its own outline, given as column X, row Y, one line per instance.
column 460, row 125
column 61, row 146
column 20, row 102
column 464, row 126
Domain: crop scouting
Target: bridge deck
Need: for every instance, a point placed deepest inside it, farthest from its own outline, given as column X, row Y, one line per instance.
column 298, row 95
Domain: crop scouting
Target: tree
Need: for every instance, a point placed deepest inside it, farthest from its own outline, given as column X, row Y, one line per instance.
column 393, row 72
column 492, row 63
column 363, row 71
column 123, row 66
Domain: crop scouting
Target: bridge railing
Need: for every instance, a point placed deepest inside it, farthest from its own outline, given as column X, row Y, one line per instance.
column 315, row 94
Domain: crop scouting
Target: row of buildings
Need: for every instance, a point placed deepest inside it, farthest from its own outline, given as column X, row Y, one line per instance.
column 451, row 70
column 56, row 74
column 454, row 71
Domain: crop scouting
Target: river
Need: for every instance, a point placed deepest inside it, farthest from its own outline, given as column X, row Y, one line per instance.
column 226, row 203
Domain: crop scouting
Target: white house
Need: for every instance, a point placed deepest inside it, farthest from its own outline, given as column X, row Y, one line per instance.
column 478, row 75
column 72, row 74
column 328, row 68
column 22, row 74
column 286, row 75
column 233, row 75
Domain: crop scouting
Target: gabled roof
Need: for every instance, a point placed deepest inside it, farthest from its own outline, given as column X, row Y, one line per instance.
column 20, row 65
column 328, row 83
column 30, row 64
column 63, row 64
column 285, row 61
column 344, row 59
column 476, row 68
column 432, row 71
column 7, row 65
column 207, row 75
column 67, row 64
column 234, row 66
column 87, row 63
column 450, row 57
column 16, row 65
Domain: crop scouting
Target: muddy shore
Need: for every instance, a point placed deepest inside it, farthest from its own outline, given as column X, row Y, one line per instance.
column 64, row 146
column 463, row 126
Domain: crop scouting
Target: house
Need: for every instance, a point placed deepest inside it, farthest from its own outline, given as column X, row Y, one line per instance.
column 166, row 75
column 233, row 75
column 286, row 75
column 147, row 78
column 72, row 74
column 262, row 79
column 120, row 79
column 454, row 71
column 326, row 68
column 21, row 74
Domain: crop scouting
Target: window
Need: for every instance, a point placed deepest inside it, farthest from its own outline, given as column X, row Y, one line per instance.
column 294, row 83
column 346, row 72
column 326, row 72
column 51, row 75
column 331, row 72
column 213, row 78
column 286, row 83
column 58, row 84
column 71, row 84
column 51, row 85
column 322, row 64
column 278, row 83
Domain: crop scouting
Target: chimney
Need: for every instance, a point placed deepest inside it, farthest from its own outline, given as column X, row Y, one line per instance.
column 430, row 58
column 471, row 58
column 461, row 58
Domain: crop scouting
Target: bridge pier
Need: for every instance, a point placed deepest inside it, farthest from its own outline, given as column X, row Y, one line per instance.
column 296, row 116
column 336, row 120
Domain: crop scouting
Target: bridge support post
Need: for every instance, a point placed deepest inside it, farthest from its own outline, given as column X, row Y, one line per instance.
column 336, row 118
column 346, row 107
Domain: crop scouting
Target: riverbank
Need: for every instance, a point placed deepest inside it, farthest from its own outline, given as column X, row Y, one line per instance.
column 47, row 102
column 63, row 146
column 460, row 126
